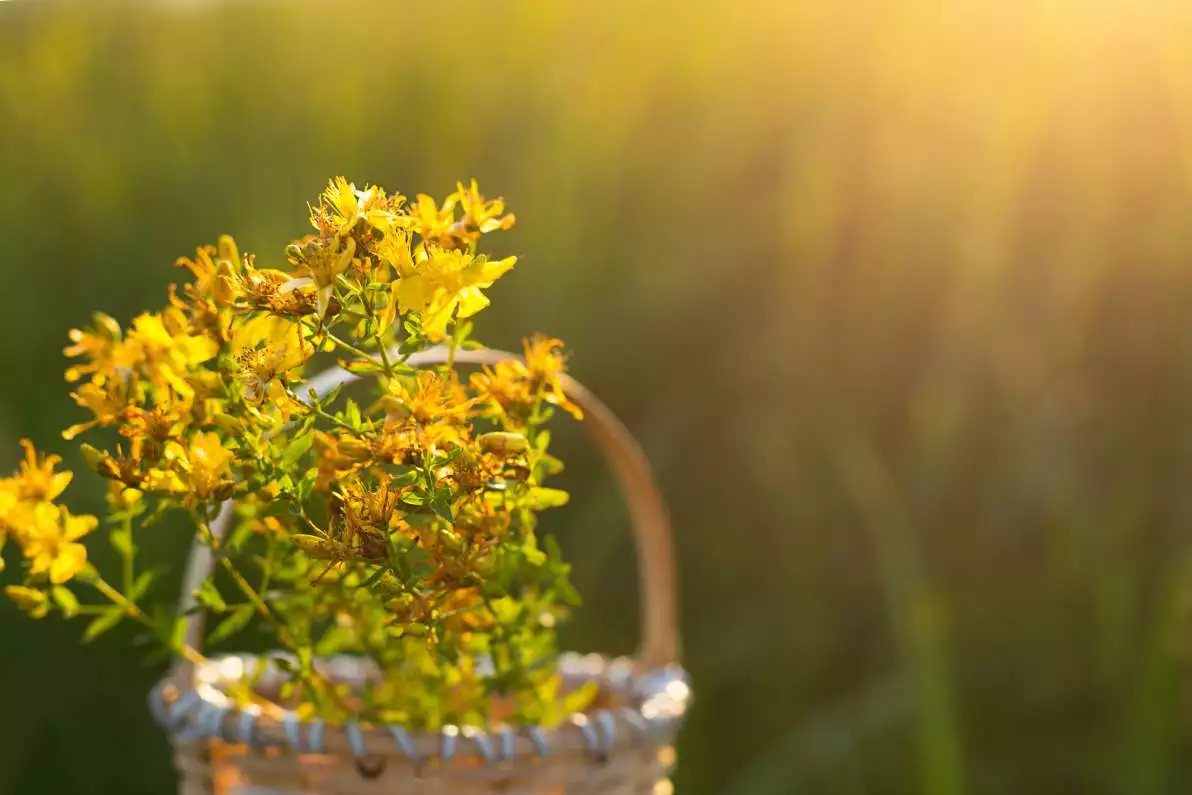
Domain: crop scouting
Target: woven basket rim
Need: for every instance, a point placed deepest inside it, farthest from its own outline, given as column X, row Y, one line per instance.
column 654, row 702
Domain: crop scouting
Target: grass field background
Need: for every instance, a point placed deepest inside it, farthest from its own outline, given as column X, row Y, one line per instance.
column 897, row 297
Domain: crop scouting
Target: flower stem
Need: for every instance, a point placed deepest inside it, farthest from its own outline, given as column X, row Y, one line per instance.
column 139, row 615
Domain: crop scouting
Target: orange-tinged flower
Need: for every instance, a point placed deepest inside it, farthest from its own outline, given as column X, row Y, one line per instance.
column 546, row 363
column 513, row 386
column 431, row 398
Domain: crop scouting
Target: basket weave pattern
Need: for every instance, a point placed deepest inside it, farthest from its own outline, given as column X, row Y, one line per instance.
column 621, row 746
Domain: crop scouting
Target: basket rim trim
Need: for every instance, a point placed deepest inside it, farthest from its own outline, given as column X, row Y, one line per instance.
column 657, row 700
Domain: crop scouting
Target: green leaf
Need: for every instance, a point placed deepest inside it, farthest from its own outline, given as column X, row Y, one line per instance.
column 534, row 556
column 331, row 396
column 236, row 621
column 295, row 450
column 103, row 622
column 580, row 699
column 209, row 597
column 334, row 640
column 352, row 413
column 462, row 332
column 178, row 633
column 542, row 498
column 66, row 600
column 549, row 465
column 141, row 586
column 361, row 368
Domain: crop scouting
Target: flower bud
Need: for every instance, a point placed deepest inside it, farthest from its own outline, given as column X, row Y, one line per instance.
column 227, row 423
column 450, row 540
column 315, row 546
column 353, row 449
column 228, row 250
column 395, row 410
column 224, row 287
column 504, row 443
column 106, row 326
column 31, row 600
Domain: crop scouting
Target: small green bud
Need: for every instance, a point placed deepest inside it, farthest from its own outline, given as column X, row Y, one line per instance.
column 416, row 630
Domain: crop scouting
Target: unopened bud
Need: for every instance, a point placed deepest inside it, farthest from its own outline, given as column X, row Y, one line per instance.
column 225, row 283
column 31, row 600
column 395, row 409
column 228, row 250
column 227, row 423
column 504, row 443
column 450, row 540
column 353, row 449
column 416, row 630
column 106, row 326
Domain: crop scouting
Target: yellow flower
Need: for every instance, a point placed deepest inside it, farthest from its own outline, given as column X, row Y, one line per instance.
column 101, row 345
column 160, row 346
column 200, row 470
column 266, row 348
column 447, row 284
column 106, row 401
column 481, row 216
column 36, row 481
column 430, row 220
column 512, row 387
column 341, row 206
column 432, row 398
column 320, row 262
column 10, row 505
column 546, row 363
column 208, row 460
column 31, row 600
column 50, row 542
column 213, row 269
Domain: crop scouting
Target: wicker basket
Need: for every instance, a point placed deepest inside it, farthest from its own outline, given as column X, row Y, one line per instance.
column 622, row 745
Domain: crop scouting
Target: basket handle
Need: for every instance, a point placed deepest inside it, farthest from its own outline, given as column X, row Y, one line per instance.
column 647, row 513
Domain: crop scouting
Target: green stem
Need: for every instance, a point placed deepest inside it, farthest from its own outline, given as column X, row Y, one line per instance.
column 349, row 346
column 129, row 571
column 319, row 412
column 384, row 356
column 135, row 613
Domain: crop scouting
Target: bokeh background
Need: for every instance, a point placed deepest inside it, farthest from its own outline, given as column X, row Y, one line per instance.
column 897, row 296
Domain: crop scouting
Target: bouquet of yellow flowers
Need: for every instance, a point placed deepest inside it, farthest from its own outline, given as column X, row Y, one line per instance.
column 397, row 525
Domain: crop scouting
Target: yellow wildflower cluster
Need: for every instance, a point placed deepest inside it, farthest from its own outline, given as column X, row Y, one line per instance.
column 46, row 532
column 398, row 523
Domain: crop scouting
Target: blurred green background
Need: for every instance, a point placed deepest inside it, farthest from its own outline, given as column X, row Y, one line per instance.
column 896, row 296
